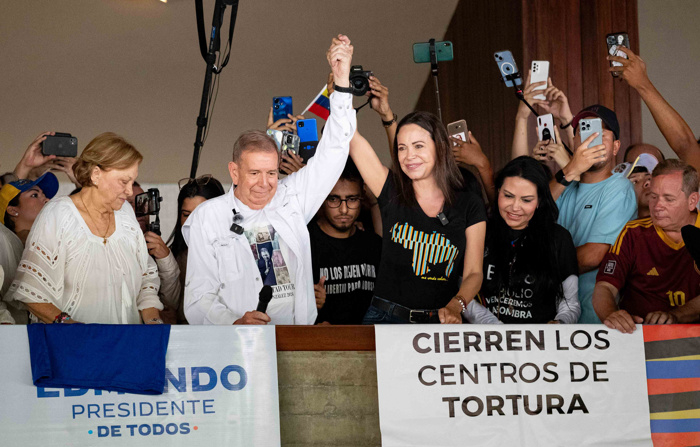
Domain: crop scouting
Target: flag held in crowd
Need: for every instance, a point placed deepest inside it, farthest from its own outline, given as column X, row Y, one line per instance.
column 321, row 105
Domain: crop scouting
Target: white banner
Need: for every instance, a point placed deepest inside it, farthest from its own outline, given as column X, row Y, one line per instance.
column 548, row 385
column 221, row 390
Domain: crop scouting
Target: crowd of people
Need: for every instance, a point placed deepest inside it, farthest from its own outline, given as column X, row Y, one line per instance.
column 556, row 236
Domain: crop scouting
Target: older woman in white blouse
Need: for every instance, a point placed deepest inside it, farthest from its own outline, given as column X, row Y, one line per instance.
column 85, row 259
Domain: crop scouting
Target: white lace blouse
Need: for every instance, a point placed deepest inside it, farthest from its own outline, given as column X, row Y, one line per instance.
column 66, row 265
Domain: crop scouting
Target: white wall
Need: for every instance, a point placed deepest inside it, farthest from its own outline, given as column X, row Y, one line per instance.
column 133, row 67
column 670, row 45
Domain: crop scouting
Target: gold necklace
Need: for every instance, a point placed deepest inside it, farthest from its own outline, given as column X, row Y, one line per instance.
column 109, row 224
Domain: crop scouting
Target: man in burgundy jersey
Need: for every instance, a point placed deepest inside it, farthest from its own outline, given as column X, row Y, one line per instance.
column 648, row 265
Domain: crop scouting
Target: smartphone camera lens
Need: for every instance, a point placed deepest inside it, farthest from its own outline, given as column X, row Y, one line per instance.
column 300, row 124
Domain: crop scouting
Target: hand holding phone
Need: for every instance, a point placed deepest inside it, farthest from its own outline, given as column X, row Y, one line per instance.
column 281, row 106
column 539, row 73
column 589, row 126
column 545, row 128
column 60, row 144
column 614, row 41
column 458, row 130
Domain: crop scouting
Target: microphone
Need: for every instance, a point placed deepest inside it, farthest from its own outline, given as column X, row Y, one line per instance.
column 237, row 218
column 691, row 237
column 264, row 298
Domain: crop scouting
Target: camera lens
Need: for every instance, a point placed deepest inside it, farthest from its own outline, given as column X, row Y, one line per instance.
column 277, row 106
column 300, row 124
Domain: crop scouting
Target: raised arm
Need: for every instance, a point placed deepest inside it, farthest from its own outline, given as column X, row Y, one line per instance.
column 520, row 145
column 470, row 153
column 379, row 101
column 33, row 158
column 321, row 173
column 673, row 127
column 373, row 172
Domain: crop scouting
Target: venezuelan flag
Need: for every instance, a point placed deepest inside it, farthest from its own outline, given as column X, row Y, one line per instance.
column 321, row 105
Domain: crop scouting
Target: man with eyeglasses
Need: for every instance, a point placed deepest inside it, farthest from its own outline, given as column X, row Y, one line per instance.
column 344, row 259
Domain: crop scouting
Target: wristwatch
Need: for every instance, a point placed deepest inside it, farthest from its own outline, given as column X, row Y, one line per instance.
column 61, row 318
column 343, row 89
column 390, row 122
column 561, row 178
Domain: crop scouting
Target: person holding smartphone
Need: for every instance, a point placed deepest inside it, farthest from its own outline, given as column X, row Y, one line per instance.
column 530, row 269
column 433, row 231
column 594, row 204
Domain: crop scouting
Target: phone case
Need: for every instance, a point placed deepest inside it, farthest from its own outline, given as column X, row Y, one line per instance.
column 307, row 150
column 60, row 145
column 507, row 67
column 277, row 136
column 421, row 52
column 589, row 126
column 281, row 106
column 290, row 142
column 539, row 73
column 458, row 129
column 545, row 128
column 307, row 130
column 614, row 41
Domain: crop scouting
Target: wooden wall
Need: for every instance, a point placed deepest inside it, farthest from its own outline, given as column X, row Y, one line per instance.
column 568, row 33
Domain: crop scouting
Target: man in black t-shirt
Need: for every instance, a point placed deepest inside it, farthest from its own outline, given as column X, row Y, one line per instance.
column 344, row 259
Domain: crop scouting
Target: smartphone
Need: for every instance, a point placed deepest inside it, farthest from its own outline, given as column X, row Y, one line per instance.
column 539, row 72
column 443, row 51
column 307, row 130
column 290, row 142
column 281, row 106
column 589, row 126
column 614, row 42
column 507, row 67
column 545, row 128
column 307, row 150
column 277, row 136
column 61, row 145
column 458, row 129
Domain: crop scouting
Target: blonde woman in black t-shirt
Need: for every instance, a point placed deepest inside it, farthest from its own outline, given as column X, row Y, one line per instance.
column 433, row 231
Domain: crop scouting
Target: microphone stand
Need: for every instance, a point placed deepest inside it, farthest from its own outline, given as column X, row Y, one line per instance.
column 210, row 58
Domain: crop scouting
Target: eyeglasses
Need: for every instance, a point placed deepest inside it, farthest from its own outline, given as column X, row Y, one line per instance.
column 201, row 181
column 351, row 202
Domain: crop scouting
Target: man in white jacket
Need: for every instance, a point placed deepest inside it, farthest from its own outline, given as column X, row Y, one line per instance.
column 228, row 265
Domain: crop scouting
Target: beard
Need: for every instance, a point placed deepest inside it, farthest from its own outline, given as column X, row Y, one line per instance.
column 598, row 166
column 339, row 226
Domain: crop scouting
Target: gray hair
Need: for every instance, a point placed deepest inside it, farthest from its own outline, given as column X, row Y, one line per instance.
column 254, row 141
column 691, row 180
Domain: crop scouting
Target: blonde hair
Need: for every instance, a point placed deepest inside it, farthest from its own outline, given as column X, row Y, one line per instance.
column 107, row 151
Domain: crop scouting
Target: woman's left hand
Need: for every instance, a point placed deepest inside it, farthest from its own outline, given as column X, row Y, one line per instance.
column 451, row 314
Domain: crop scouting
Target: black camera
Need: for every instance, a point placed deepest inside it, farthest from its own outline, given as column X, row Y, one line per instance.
column 359, row 80
column 61, row 145
column 148, row 204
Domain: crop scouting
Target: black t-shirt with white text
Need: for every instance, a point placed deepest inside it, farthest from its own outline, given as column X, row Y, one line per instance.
column 350, row 267
column 516, row 300
column 422, row 259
